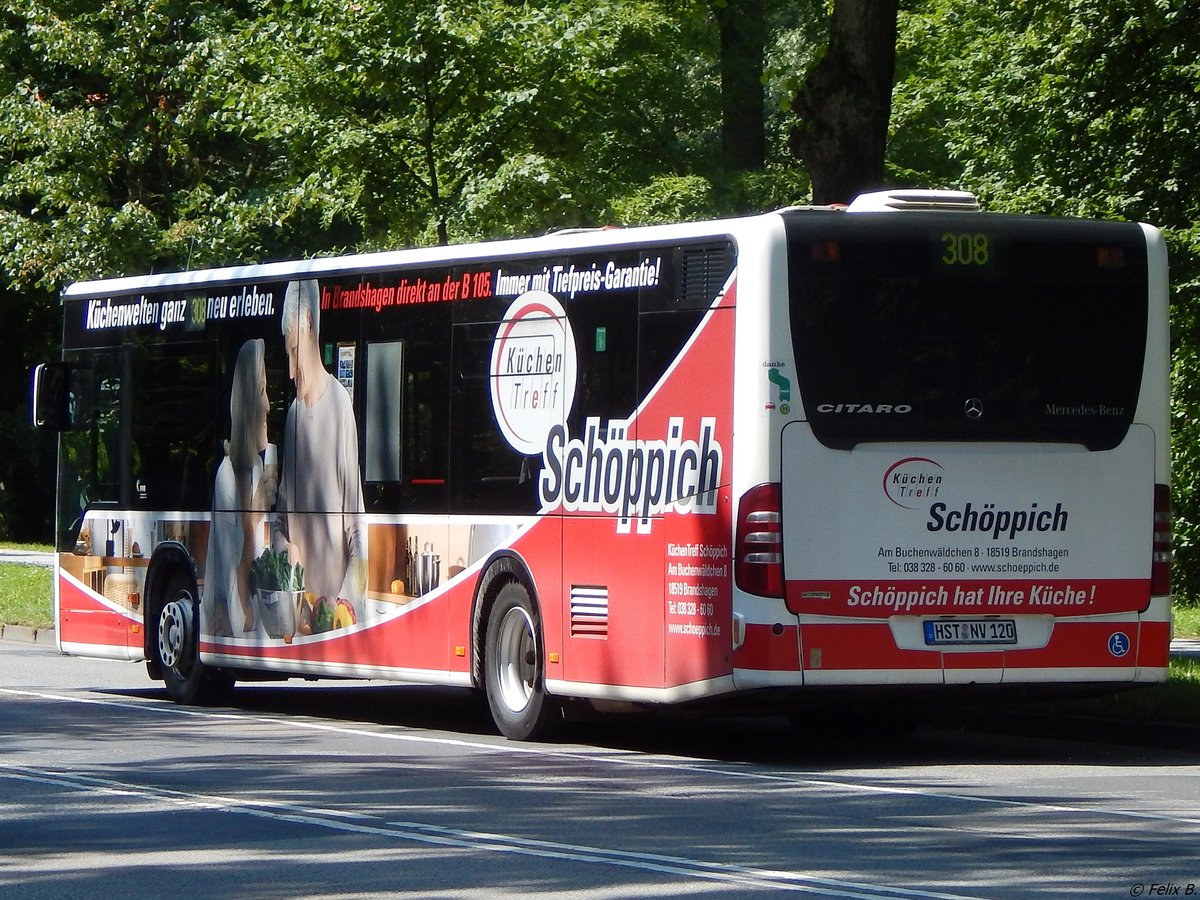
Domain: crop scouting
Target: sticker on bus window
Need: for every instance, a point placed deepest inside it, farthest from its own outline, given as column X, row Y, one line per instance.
column 533, row 371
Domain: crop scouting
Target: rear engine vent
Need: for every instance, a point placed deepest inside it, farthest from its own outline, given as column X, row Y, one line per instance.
column 703, row 271
column 589, row 610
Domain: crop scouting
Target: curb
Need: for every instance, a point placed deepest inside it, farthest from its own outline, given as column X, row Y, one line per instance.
column 1185, row 648
column 26, row 634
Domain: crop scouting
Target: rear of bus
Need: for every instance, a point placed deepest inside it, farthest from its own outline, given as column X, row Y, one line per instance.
column 976, row 487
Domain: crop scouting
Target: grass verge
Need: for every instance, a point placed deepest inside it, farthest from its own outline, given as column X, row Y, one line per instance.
column 1187, row 621
column 26, row 595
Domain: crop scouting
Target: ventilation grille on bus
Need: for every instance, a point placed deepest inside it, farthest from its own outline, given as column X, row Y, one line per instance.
column 589, row 610
column 703, row 271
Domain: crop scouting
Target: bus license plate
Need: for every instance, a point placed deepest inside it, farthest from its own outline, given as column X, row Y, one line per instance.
column 939, row 633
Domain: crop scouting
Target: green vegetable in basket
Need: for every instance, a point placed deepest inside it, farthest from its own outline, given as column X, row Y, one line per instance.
column 273, row 572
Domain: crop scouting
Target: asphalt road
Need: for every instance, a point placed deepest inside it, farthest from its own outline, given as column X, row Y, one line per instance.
column 107, row 789
column 26, row 557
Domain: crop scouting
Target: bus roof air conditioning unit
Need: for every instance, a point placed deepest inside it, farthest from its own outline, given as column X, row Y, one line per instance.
column 925, row 201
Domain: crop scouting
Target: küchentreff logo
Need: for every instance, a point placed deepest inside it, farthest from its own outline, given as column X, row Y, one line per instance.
column 919, row 483
column 913, row 482
column 533, row 371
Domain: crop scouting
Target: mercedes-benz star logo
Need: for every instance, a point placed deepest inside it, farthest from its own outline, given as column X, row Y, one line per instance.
column 973, row 408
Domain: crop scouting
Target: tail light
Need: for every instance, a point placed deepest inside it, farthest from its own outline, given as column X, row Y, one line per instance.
column 758, row 561
column 1160, row 560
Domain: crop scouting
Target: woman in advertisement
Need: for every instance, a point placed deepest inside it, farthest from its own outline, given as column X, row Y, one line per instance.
column 243, row 492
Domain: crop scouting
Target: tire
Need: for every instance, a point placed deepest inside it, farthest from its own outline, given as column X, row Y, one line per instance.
column 176, row 647
column 514, row 668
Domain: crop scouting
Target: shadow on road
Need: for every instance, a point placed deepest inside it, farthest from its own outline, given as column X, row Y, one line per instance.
column 954, row 734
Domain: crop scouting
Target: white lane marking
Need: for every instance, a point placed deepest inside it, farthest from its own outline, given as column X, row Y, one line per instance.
column 619, row 757
column 742, row 876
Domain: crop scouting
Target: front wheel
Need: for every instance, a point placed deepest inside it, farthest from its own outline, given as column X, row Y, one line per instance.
column 514, row 669
column 187, row 679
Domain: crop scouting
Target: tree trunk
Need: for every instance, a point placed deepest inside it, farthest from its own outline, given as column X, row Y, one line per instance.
column 846, row 101
column 743, row 107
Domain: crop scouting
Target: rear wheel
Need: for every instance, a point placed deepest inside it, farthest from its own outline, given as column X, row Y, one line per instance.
column 514, row 667
column 187, row 679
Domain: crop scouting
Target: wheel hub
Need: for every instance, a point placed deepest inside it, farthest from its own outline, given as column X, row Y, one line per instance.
column 175, row 633
column 517, row 662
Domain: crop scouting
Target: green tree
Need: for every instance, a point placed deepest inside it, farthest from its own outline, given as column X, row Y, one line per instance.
column 117, row 160
column 430, row 122
column 844, row 103
column 742, row 27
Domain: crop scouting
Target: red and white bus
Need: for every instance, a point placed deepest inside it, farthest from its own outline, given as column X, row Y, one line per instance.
column 904, row 443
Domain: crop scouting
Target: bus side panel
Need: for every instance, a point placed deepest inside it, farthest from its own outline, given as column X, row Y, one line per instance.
column 1154, row 645
column 540, row 547
column 412, row 641
column 99, row 589
column 699, row 594
column 769, row 648
column 698, row 546
column 649, row 596
column 90, row 623
column 613, row 586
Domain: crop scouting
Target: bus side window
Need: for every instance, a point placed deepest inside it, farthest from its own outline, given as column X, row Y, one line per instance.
column 606, row 341
column 174, row 409
column 489, row 475
column 404, row 428
column 424, row 429
column 384, row 412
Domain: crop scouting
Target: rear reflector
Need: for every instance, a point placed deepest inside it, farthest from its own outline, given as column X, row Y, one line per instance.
column 1160, row 561
column 758, row 562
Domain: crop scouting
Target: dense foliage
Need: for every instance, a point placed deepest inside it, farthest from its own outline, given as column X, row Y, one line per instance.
column 166, row 134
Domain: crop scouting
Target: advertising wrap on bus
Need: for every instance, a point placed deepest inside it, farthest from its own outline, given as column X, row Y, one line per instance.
column 374, row 448
column 959, row 530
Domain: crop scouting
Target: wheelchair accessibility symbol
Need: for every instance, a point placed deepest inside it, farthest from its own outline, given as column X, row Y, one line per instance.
column 1118, row 643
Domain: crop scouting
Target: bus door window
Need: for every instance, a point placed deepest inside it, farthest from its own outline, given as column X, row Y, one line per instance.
column 424, row 430
column 402, row 404
column 488, row 475
column 91, row 453
column 606, row 339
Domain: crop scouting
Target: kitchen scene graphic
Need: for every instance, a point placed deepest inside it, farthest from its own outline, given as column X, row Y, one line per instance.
column 274, row 570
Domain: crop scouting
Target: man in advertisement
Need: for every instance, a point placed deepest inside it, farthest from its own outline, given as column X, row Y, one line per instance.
column 320, row 508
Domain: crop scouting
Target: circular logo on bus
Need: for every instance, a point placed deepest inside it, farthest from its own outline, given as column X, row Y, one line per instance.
column 912, row 481
column 533, row 371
